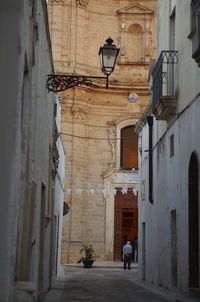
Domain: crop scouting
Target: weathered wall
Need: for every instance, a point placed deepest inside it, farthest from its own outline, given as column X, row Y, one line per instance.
column 27, row 134
column 170, row 172
column 59, row 196
column 10, row 150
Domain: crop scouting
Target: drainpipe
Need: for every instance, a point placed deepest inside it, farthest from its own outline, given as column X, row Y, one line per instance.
column 150, row 123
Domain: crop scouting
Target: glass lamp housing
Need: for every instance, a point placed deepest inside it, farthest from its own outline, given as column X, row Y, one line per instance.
column 108, row 55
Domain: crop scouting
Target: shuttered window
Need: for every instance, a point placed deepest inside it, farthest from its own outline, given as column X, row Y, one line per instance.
column 129, row 148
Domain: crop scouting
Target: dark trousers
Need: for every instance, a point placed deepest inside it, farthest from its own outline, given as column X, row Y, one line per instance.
column 127, row 259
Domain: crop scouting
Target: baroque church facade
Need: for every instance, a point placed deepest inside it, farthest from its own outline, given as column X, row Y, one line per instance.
column 97, row 125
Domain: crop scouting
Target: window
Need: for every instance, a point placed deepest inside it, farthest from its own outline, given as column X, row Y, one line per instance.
column 129, row 148
column 172, row 145
column 195, row 30
column 172, row 39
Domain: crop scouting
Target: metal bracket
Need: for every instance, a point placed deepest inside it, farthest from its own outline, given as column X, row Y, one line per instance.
column 57, row 83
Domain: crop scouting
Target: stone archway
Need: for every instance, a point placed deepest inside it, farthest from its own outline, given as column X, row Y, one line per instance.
column 125, row 219
column 113, row 180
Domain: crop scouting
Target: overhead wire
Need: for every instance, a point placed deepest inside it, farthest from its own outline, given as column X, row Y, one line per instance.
column 96, row 138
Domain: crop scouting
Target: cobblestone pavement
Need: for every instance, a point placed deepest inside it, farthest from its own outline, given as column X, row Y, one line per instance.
column 101, row 284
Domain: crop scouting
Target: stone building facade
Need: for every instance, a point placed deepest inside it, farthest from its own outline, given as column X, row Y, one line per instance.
column 169, row 207
column 93, row 117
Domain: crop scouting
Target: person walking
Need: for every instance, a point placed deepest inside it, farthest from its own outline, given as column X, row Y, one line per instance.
column 127, row 251
column 124, row 242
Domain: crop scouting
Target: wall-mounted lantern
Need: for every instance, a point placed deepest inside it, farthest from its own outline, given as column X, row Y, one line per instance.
column 108, row 56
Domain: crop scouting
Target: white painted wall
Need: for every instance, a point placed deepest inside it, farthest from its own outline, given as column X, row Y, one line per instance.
column 170, row 189
column 10, row 135
column 26, row 132
column 59, row 194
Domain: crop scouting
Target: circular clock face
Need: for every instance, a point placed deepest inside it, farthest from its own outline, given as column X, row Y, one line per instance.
column 83, row 2
column 133, row 97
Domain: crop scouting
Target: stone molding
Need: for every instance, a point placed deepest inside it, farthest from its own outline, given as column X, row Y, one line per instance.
column 56, row 1
column 140, row 16
column 82, row 2
column 111, row 131
column 135, row 8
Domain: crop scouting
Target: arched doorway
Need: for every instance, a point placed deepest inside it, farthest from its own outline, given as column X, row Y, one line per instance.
column 193, row 222
column 125, row 220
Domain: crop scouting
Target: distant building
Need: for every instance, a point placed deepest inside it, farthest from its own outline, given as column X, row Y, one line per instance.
column 98, row 124
column 169, row 207
column 29, row 154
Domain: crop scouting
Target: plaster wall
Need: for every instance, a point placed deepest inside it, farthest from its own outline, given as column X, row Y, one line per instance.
column 170, row 193
column 26, row 132
column 59, row 200
column 186, row 90
column 186, row 67
column 170, row 171
column 59, row 193
column 10, row 152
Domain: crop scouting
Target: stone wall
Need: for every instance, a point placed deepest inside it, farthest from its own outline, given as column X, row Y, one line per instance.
column 90, row 115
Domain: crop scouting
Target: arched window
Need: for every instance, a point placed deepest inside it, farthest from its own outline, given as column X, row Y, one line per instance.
column 135, row 43
column 129, row 148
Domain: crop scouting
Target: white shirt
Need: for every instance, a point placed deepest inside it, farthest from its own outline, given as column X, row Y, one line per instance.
column 127, row 249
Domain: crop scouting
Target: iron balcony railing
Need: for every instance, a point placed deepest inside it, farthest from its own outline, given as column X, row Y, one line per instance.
column 164, row 76
column 195, row 7
column 195, row 34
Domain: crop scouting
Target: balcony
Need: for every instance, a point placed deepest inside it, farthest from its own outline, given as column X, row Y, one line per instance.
column 195, row 34
column 164, row 101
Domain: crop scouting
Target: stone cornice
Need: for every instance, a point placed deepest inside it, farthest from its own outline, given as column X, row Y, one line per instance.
column 56, row 1
column 139, row 89
column 132, row 116
column 135, row 8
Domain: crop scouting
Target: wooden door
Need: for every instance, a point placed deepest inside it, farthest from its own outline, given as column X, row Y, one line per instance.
column 117, row 234
column 125, row 220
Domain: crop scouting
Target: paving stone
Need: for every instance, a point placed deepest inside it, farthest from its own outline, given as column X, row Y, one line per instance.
column 100, row 284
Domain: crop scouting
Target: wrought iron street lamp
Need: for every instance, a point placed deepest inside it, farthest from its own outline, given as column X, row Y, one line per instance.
column 108, row 56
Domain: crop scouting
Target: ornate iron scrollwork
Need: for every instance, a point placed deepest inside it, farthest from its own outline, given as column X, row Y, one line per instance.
column 57, row 83
column 164, row 75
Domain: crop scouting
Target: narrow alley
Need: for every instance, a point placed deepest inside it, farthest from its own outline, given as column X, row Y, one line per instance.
column 100, row 151
column 106, row 281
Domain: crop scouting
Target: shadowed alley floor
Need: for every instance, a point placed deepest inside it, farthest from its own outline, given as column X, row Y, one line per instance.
column 102, row 284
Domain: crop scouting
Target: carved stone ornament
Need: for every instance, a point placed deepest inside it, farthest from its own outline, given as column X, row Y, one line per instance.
column 83, row 2
column 112, row 140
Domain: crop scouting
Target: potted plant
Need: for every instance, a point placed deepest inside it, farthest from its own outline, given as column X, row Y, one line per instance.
column 88, row 259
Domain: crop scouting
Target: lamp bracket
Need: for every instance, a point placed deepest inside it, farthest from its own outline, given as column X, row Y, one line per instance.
column 61, row 82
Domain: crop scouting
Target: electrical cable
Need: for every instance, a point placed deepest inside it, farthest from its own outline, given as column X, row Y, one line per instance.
column 97, row 138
